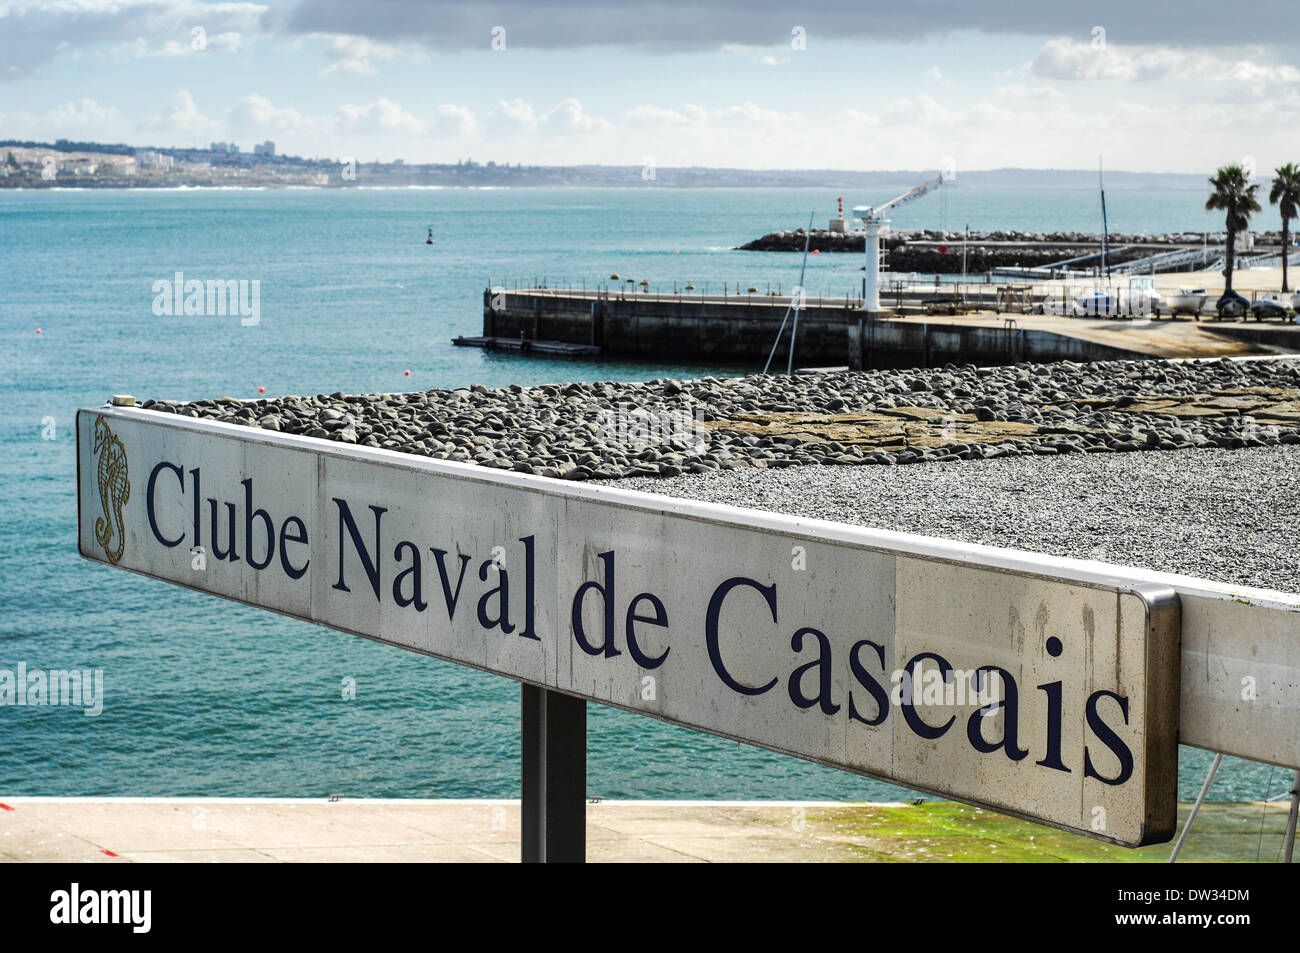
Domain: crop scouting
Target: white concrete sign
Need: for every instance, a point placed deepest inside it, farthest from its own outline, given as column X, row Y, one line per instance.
column 1010, row 682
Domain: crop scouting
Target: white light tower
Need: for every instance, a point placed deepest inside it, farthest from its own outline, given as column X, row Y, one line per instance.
column 873, row 228
column 875, row 225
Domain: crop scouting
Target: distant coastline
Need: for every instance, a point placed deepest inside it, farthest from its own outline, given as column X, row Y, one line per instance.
column 91, row 165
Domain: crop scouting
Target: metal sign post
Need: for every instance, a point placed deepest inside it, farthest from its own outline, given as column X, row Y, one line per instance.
column 553, row 803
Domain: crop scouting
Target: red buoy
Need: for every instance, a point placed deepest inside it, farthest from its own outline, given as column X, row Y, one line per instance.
column 38, row 330
column 816, row 252
column 261, row 390
column 408, row 373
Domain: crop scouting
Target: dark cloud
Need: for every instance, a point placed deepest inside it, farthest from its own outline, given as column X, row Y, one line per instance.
column 670, row 25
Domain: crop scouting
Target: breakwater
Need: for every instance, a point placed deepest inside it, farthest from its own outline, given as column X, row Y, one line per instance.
column 941, row 252
column 741, row 329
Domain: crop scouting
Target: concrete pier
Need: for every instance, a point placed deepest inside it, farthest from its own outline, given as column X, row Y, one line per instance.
column 741, row 329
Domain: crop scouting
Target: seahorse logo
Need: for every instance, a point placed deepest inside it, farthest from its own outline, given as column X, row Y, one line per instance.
column 114, row 490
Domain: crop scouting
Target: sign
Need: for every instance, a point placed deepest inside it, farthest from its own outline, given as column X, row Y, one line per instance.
column 1009, row 682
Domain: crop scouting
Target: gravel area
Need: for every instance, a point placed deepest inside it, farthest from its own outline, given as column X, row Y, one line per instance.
column 663, row 428
column 1226, row 515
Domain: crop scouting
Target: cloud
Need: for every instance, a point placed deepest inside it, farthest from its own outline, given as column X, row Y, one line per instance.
column 514, row 115
column 1064, row 59
column 853, row 118
column 466, row 125
column 356, row 55
column 752, row 113
column 82, row 114
column 568, row 116
column 77, row 119
column 33, row 32
column 182, row 120
column 934, row 73
column 1070, row 60
column 381, row 117
column 739, row 116
column 258, row 115
column 199, row 44
column 1022, row 92
column 769, row 55
column 918, row 110
column 647, row 115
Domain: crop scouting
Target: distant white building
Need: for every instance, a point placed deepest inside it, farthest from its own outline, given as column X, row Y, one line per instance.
column 154, row 160
column 264, row 149
column 120, row 165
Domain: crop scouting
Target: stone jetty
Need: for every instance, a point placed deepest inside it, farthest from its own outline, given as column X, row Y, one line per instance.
column 940, row 252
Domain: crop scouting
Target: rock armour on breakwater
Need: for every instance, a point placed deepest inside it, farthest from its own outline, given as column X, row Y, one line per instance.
column 987, row 250
column 609, row 429
column 792, row 239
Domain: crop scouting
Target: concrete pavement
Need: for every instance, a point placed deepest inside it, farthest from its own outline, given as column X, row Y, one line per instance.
column 262, row 830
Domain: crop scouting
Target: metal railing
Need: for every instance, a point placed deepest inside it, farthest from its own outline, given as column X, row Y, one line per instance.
column 1168, row 261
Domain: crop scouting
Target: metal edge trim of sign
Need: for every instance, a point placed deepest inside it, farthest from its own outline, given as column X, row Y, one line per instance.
column 1161, row 718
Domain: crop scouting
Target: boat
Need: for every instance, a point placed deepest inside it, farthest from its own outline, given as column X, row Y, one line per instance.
column 1143, row 298
column 1268, row 306
column 1231, row 305
column 1095, row 303
column 1187, row 301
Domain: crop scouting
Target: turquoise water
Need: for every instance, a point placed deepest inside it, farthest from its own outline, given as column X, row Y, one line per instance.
column 209, row 698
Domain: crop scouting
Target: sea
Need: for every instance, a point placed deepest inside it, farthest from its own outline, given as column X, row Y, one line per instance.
column 208, row 698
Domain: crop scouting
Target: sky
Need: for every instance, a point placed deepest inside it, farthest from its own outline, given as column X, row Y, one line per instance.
column 824, row 84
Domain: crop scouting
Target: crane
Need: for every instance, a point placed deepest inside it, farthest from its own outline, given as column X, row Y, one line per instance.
column 874, row 225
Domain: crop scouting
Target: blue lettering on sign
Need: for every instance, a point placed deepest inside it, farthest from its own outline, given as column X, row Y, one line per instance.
column 259, row 536
column 239, row 526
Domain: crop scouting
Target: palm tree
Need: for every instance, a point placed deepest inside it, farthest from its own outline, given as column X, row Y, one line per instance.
column 1285, row 194
column 1234, row 196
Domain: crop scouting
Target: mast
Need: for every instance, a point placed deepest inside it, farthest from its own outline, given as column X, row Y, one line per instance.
column 1105, row 231
column 802, row 296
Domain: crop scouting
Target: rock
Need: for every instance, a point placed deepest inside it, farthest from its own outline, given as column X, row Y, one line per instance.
column 1062, row 408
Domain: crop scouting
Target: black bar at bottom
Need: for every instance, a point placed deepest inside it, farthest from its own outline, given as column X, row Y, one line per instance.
column 554, row 801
